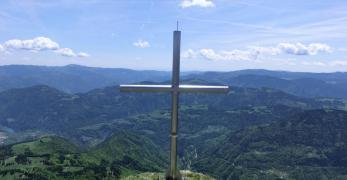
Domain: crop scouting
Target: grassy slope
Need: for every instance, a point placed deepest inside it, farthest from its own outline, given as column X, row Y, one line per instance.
column 56, row 158
column 122, row 147
column 46, row 145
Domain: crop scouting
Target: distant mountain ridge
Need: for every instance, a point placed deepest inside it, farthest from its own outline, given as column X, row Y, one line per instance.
column 273, row 73
column 297, row 83
column 72, row 78
column 77, row 79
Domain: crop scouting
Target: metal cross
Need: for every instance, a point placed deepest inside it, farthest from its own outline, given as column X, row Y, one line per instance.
column 175, row 88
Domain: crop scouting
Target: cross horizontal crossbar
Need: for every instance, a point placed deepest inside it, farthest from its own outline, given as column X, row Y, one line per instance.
column 169, row 88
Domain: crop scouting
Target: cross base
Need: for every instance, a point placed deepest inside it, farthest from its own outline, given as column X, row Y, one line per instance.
column 169, row 176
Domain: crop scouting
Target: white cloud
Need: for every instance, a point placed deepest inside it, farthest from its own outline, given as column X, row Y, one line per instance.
column 141, row 44
column 338, row 63
column 317, row 47
column 252, row 52
column 2, row 48
column 83, row 54
column 66, row 52
column 200, row 3
column 233, row 55
column 301, row 49
column 313, row 63
column 189, row 54
column 70, row 53
column 36, row 44
column 239, row 55
column 40, row 44
column 210, row 54
column 265, row 50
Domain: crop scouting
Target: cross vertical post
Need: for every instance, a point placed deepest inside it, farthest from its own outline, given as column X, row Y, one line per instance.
column 175, row 89
column 173, row 171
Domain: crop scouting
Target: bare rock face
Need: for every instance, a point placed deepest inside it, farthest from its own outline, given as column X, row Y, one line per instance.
column 186, row 175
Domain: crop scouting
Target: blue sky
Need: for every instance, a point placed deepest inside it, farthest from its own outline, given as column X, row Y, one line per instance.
column 217, row 35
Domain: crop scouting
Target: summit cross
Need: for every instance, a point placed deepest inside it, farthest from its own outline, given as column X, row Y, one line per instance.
column 175, row 89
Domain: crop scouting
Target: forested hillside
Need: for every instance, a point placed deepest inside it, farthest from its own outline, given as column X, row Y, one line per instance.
column 56, row 158
column 247, row 133
column 309, row 145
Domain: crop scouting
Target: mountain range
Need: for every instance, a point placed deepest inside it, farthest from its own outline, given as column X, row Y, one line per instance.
column 64, row 78
column 49, row 110
column 259, row 130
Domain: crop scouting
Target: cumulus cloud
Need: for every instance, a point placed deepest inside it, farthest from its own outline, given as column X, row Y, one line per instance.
column 40, row 44
column 338, row 63
column 36, row 44
column 2, row 48
column 301, row 49
column 67, row 52
column 210, row 54
column 314, row 63
column 239, row 55
column 83, row 54
column 189, row 54
column 199, row 3
column 141, row 44
column 252, row 52
column 264, row 50
column 233, row 55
